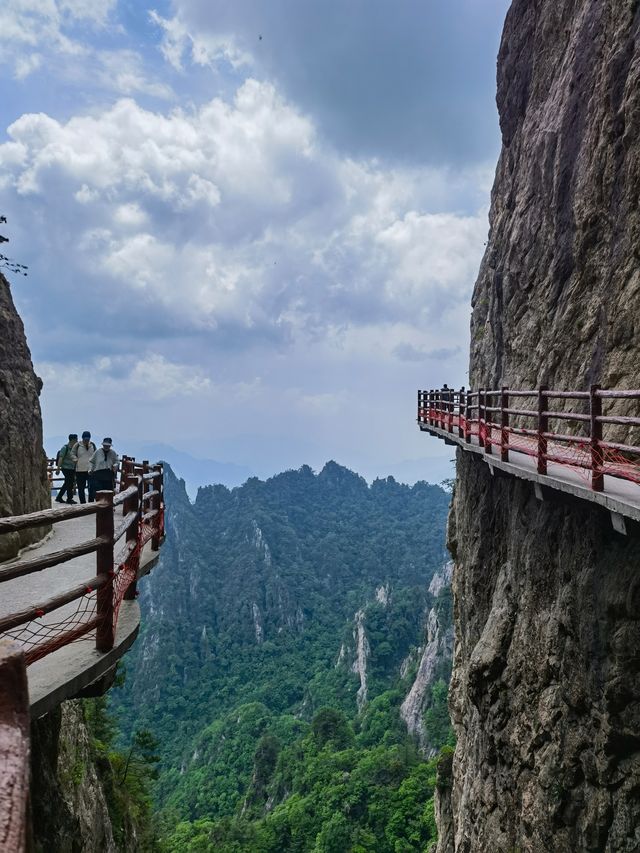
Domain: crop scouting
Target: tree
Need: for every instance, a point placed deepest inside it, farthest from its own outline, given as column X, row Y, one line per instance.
column 143, row 752
column 330, row 725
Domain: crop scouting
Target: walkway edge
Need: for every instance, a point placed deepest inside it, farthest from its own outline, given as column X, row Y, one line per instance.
column 605, row 500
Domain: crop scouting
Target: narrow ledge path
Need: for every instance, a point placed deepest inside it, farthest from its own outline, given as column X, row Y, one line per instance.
column 72, row 669
column 620, row 497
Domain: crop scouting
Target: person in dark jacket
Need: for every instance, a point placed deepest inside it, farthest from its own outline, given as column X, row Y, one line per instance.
column 66, row 462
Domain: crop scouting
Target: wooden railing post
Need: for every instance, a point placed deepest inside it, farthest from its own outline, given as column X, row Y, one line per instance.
column 543, row 427
column 467, row 417
column 461, row 413
column 145, row 484
column 123, row 474
column 488, row 423
column 132, row 504
column 504, row 425
column 161, row 480
column 105, row 634
column 14, row 749
column 450, row 394
column 595, row 410
column 481, row 421
column 155, row 505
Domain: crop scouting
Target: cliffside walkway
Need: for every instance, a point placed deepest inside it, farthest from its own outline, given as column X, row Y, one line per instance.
column 69, row 602
column 587, row 461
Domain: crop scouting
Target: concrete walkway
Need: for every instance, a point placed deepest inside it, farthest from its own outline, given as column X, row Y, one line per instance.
column 621, row 497
column 64, row 673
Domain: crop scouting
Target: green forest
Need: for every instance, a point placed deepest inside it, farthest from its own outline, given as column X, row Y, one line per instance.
column 281, row 633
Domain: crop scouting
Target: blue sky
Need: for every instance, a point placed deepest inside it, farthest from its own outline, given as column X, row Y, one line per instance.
column 252, row 227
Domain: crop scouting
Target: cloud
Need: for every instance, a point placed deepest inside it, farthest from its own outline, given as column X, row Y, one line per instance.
column 47, row 25
column 233, row 221
column 414, row 82
column 409, row 352
column 79, row 44
column 151, row 377
column 178, row 44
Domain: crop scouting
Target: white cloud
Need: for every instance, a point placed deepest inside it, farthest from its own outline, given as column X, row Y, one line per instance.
column 61, row 38
column 46, row 25
column 123, row 72
column 179, row 42
column 233, row 216
column 149, row 378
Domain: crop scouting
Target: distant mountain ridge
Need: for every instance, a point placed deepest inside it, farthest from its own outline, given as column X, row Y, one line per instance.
column 273, row 601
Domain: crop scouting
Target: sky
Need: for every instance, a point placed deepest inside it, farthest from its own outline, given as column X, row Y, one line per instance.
column 252, row 227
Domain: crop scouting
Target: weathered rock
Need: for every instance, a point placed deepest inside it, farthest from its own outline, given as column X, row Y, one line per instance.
column 434, row 663
column 545, row 693
column 23, row 483
column 68, row 805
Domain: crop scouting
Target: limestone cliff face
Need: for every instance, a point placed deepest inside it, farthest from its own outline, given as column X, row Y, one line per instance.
column 546, row 688
column 68, row 804
column 558, row 292
column 23, row 485
column 434, row 661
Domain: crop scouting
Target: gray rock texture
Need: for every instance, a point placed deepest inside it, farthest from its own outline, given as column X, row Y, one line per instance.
column 23, row 483
column 559, row 288
column 434, row 663
column 545, row 693
column 68, row 804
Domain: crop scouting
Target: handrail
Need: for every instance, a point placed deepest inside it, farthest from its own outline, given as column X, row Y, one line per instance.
column 141, row 496
column 45, row 517
column 447, row 409
column 53, row 603
column 55, row 558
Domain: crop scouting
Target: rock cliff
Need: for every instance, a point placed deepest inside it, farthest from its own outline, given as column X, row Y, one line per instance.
column 68, row 804
column 23, row 485
column 545, row 693
column 434, row 662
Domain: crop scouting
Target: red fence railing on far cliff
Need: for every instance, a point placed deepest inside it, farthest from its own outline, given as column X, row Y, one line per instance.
column 520, row 420
column 118, row 545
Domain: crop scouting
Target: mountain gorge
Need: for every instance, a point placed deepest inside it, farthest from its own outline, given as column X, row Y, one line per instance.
column 296, row 645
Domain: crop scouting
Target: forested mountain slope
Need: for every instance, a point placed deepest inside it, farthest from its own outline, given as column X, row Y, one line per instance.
column 283, row 629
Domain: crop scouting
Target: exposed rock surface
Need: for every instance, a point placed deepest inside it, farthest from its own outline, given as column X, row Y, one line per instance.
column 435, row 656
column 363, row 651
column 546, row 687
column 68, row 805
column 23, row 485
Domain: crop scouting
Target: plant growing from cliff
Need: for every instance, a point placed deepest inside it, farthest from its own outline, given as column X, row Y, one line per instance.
column 143, row 754
column 9, row 263
column 436, row 719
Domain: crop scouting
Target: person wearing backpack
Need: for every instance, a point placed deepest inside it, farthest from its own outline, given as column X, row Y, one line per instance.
column 83, row 451
column 66, row 462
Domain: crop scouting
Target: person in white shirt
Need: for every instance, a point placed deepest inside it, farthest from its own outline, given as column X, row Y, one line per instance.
column 103, row 466
column 83, row 452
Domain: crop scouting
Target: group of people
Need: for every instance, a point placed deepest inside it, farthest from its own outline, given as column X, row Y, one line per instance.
column 87, row 467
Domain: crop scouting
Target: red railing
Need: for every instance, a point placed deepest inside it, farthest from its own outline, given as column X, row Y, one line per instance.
column 519, row 420
column 140, row 494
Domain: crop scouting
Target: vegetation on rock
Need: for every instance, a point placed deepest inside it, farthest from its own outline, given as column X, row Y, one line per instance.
column 272, row 606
